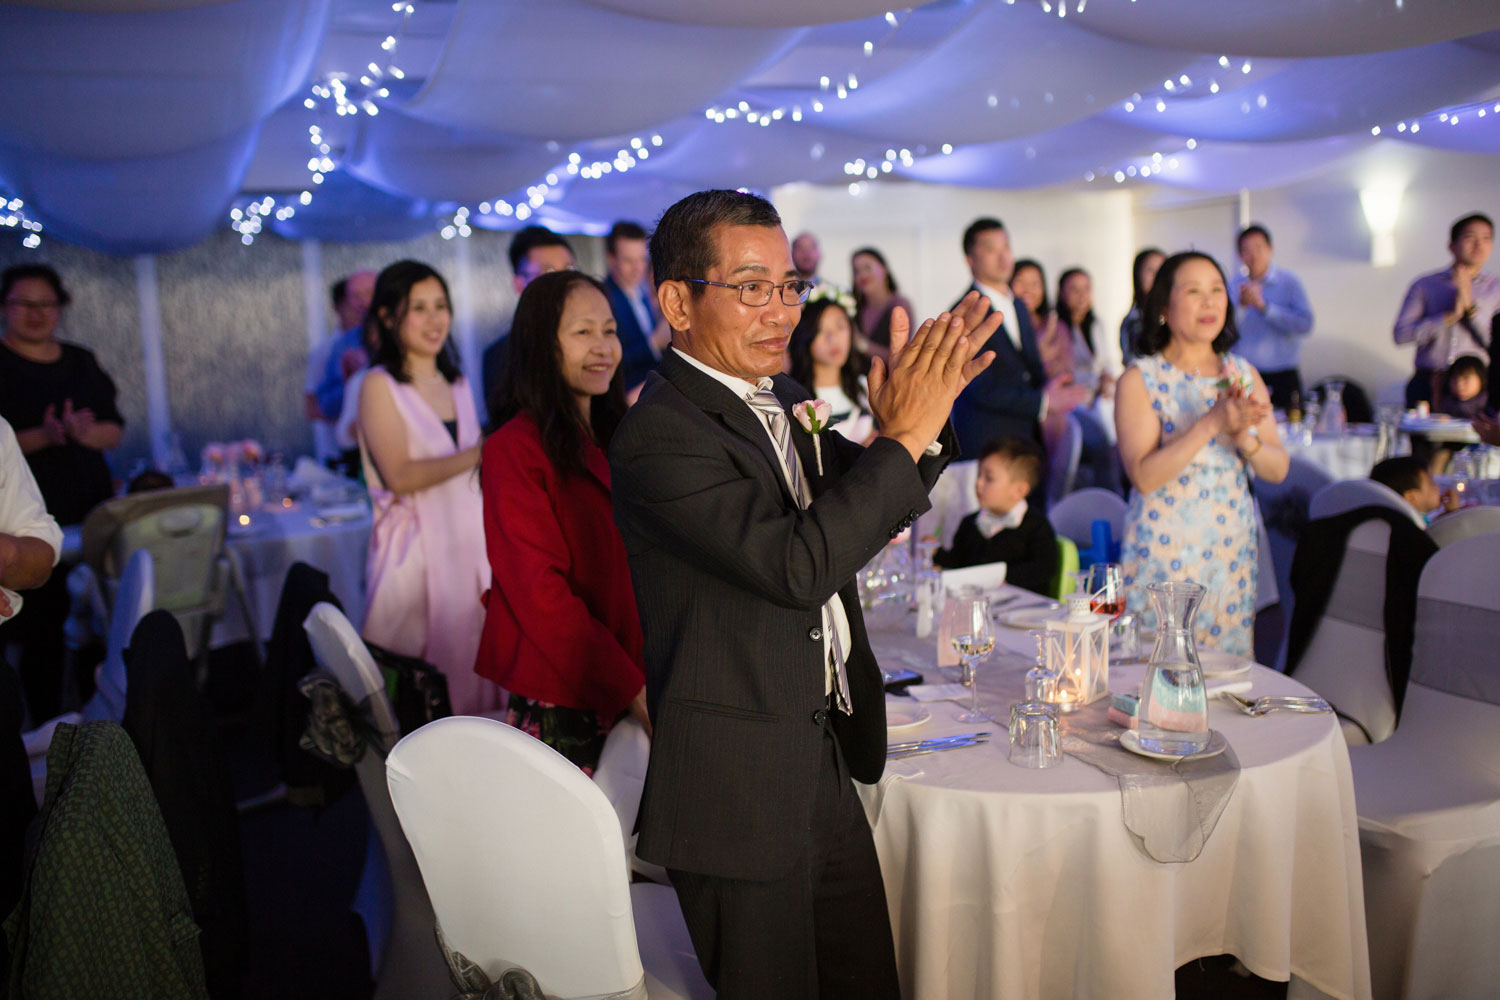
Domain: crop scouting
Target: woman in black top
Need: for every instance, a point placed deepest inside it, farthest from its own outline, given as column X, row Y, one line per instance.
column 55, row 395
column 62, row 406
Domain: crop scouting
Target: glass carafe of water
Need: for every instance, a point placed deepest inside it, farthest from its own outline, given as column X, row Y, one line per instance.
column 1174, row 703
column 1332, row 421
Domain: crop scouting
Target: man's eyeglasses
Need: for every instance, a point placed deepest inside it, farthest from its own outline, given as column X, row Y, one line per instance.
column 32, row 304
column 758, row 293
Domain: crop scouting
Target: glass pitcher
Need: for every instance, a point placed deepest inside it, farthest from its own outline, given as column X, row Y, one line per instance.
column 1333, row 420
column 1174, row 702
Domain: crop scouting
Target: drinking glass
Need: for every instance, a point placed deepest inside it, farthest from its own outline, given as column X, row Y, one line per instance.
column 1106, row 587
column 1034, row 738
column 1040, row 679
column 973, row 639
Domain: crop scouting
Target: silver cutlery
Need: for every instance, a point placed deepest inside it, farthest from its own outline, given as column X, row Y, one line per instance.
column 936, row 740
column 940, row 748
column 1276, row 703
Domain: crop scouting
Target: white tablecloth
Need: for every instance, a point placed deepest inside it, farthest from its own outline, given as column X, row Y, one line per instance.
column 1345, row 457
column 272, row 542
column 1008, row 882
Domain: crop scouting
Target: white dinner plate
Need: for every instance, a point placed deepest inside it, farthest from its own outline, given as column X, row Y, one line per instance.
column 1035, row 616
column 1131, row 740
column 1217, row 663
column 898, row 717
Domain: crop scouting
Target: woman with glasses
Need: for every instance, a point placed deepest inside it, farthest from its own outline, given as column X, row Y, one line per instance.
column 62, row 406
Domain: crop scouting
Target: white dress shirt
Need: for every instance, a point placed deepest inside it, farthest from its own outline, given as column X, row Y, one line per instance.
column 991, row 524
column 22, row 511
column 1004, row 303
column 834, row 615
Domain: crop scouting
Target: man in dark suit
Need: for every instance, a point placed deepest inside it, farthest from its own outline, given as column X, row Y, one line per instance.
column 1014, row 395
column 744, row 535
column 642, row 335
column 534, row 250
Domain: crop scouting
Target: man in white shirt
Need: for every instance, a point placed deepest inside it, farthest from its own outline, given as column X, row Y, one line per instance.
column 30, row 542
column 1013, row 395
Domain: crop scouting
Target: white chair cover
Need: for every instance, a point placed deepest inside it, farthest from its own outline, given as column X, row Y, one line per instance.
column 1429, row 797
column 1345, row 658
column 1462, row 524
column 1352, row 494
column 952, row 499
column 1284, row 509
column 987, row 576
column 522, row 856
column 135, row 597
column 621, row 776
column 1074, row 515
column 406, row 962
column 1062, row 464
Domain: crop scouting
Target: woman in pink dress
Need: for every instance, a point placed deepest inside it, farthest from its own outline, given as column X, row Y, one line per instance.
column 419, row 437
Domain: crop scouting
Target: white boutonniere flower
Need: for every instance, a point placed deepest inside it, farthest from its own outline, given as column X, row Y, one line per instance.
column 813, row 415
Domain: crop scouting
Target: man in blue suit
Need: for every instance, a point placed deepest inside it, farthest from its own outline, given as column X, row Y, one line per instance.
column 641, row 332
column 1013, row 395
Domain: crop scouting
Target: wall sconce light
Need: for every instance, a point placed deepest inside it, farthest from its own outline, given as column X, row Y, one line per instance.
column 1382, row 204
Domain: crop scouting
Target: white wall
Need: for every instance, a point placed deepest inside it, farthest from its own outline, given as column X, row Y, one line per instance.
column 1320, row 233
column 919, row 228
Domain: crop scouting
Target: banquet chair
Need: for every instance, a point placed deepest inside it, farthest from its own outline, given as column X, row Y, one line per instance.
column 621, row 776
column 405, row 958
column 522, row 856
column 1284, row 509
column 1067, row 567
column 1074, row 515
column 133, row 600
column 1429, row 797
column 184, row 530
column 952, row 499
column 1345, row 660
column 1351, row 494
column 1464, row 524
column 1062, row 463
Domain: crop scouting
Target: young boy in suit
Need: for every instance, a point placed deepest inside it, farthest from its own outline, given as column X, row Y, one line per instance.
column 1006, row 528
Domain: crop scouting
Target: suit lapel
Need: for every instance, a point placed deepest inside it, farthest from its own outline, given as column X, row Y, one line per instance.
column 712, row 397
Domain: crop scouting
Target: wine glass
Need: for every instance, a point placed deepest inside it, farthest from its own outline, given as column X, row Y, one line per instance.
column 973, row 640
column 1106, row 587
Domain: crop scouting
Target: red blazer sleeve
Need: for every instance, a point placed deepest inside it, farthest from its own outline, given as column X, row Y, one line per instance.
column 530, row 561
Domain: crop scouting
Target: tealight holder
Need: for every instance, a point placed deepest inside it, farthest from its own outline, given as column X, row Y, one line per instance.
column 1079, row 659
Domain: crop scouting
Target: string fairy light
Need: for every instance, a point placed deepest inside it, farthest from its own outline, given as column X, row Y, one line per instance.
column 13, row 215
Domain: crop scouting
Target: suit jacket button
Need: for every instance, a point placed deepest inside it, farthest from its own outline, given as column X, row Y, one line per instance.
column 815, row 633
column 820, row 717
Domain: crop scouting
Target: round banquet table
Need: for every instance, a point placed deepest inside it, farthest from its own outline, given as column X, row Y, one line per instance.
column 1344, row 456
column 1004, row 881
column 333, row 539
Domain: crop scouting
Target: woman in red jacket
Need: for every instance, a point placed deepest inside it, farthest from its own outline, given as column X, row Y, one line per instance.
column 561, row 632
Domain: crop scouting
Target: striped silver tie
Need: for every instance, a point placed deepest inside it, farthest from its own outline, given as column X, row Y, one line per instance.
column 765, row 402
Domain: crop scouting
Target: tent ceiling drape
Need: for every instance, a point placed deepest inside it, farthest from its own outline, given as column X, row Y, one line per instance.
column 136, row 125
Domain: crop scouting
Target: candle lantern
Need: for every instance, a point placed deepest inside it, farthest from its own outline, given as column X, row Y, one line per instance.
column 1078, row 656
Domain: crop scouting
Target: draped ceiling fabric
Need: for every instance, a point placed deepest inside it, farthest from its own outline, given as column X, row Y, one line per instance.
column 135, row 126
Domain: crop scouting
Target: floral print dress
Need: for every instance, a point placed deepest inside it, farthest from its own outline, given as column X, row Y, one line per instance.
column 1201, row 525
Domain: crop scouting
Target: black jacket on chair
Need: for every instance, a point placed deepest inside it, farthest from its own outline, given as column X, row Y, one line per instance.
column 1006, row 397
column 177, row 736
column 1315, row 569
column 730, row 577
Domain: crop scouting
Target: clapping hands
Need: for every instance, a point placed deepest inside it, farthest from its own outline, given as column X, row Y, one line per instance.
column 1238, row 411
column 912, row 394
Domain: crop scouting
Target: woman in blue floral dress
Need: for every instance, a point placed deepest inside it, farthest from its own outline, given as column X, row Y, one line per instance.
column 1194, row 421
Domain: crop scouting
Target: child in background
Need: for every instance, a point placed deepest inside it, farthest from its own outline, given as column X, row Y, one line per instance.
column 1466, row 397
column 1006, row 528
column 1410, row 478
